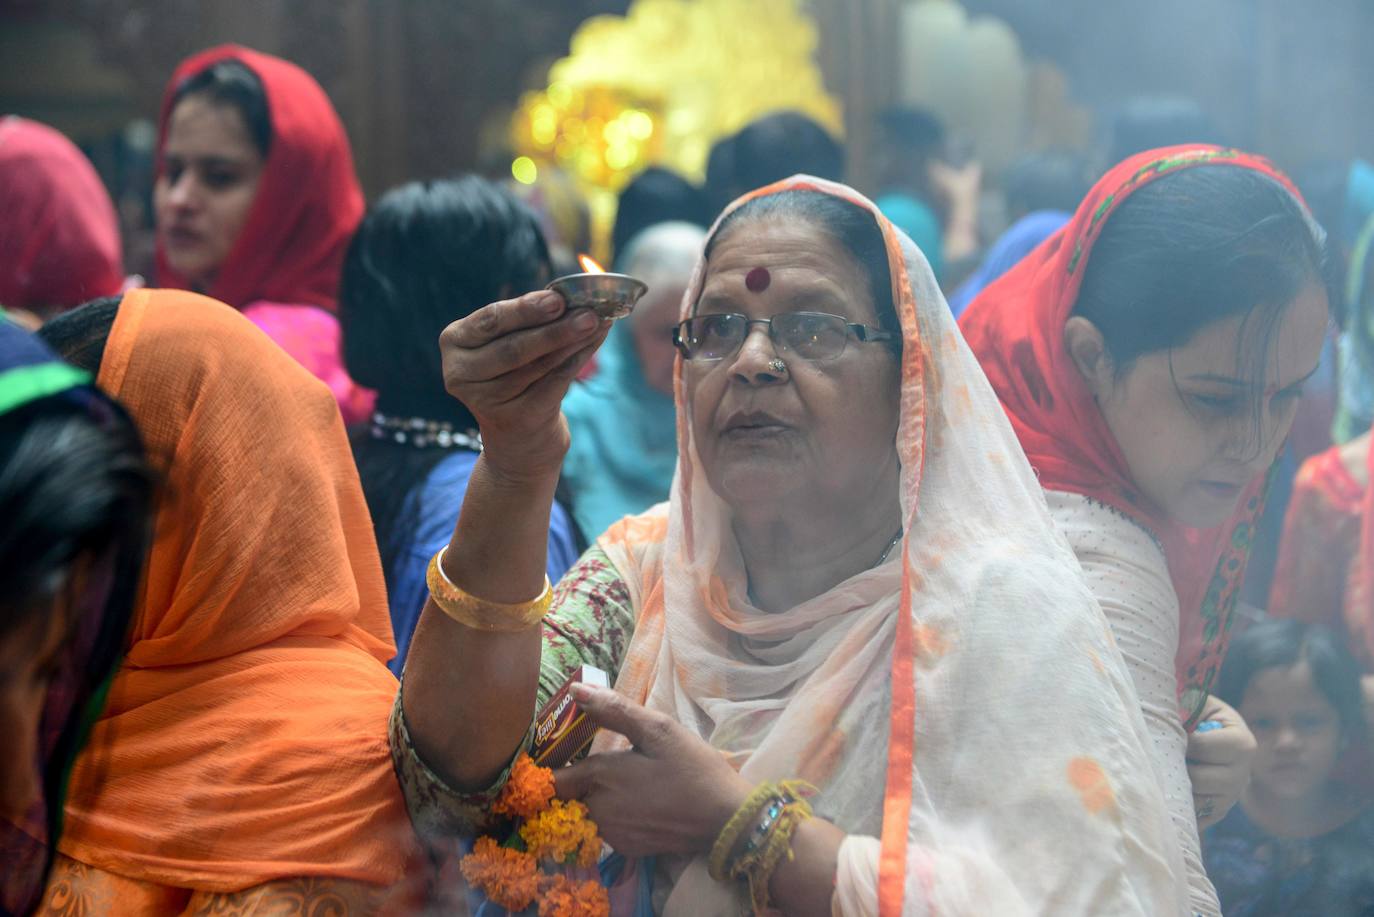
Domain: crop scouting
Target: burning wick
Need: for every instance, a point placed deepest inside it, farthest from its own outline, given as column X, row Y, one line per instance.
column 610, row 296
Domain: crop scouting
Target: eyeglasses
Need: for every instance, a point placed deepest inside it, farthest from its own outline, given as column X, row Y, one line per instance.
column 810, row 335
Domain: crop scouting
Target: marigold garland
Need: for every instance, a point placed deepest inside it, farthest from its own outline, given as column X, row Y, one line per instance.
column 528, row 790
column 563, row 897
column 510, row 878
column 563, row 834
column 554, row 831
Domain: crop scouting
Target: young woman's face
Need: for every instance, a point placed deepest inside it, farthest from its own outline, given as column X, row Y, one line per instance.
column 28, row 654
column 1196, row 424
column 1297, row 731
column 211, row 169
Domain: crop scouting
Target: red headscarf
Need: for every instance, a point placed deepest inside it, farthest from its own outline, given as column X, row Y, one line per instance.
column 308, row 202
column 59, row 240
column 1015, row 327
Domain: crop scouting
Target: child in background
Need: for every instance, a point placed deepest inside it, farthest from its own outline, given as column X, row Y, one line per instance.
column 1301, row 841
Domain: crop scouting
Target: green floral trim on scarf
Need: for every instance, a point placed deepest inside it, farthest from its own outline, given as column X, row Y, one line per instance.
column 1219, row 605
column 1147, row 172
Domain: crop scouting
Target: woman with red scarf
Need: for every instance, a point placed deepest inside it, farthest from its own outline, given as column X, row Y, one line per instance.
column 1150, row 356
column 256, row 200
column 59, row 240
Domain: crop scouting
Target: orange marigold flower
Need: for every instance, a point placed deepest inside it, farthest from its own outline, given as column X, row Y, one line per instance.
column 562, row 833
column 508, row 877
column 560, row 896
column 528, row 790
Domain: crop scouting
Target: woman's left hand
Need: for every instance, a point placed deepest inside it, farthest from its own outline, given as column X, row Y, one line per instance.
column 673, row 793
column 1219, row 762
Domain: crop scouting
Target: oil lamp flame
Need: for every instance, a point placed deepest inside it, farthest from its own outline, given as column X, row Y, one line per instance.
column 610, row 296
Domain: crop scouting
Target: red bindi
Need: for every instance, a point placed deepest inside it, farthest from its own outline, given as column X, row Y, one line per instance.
column 757, row 280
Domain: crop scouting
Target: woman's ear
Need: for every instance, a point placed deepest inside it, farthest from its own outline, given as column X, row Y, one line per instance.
column 1088, row 350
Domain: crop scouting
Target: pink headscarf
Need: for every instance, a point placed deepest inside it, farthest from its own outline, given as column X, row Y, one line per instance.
column 59, row 237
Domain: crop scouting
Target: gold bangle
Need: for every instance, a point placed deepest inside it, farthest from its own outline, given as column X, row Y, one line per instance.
column 480, row 614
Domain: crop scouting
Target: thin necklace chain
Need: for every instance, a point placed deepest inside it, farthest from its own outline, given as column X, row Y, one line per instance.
column 888, row 550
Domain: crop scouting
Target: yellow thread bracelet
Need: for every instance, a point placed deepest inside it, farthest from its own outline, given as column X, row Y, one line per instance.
column 481, row 614
column 744, row 818
column 757, row 865
column 771, row 813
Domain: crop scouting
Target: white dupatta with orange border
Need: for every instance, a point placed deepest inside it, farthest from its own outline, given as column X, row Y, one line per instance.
column 962, row 708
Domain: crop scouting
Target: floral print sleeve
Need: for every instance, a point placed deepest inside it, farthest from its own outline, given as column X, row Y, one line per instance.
column 590, row 623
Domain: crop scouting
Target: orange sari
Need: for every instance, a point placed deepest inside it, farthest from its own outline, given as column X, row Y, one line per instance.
column 244, row 741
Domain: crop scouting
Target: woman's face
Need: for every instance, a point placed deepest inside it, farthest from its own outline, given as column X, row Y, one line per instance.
column 28, row 654
column 211, row 169
column 820, row 432
column 1193, row 424
column 1297, row 731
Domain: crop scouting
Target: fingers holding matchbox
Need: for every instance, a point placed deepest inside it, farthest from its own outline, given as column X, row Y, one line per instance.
column 562, row 729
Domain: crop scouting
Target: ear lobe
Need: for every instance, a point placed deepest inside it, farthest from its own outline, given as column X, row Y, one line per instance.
column 1088, row 350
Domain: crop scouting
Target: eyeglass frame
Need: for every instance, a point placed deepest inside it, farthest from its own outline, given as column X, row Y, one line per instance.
column 864, row 334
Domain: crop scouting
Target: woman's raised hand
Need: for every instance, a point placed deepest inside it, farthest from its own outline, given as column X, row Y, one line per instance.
column 511, row 363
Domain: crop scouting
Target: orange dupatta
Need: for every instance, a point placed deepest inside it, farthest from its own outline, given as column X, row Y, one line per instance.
column 244, row 739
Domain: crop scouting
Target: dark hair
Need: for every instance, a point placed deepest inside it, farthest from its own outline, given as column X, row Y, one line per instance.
column 81, row 334
column 1048, row 180
column 774, row 147
column 848, row 224
column 654, row 196
column 1282, row 643
column 914, row 129
column 231, row 82
column 1148, row 122
column 1192, row 248
column 74, row 485
column 426, row 254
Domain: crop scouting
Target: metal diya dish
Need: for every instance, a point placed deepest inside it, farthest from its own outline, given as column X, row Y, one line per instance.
column 610, row 296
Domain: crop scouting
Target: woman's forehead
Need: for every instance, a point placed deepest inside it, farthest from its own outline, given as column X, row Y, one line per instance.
column 1279, row 346
column 758, row 257
column 200, row 126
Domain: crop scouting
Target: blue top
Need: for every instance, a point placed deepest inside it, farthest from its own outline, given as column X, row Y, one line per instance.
column 1016, row 243
column 440, row 498
column 623, row 449
column 1257, row 874
column 912, row 216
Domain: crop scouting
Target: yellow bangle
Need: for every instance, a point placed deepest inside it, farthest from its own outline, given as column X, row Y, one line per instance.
column 480, row 614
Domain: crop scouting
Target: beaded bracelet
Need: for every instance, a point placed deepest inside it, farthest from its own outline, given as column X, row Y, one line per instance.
column 480, row 614
column 770, row 816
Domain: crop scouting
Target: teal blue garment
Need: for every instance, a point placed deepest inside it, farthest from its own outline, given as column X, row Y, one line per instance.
column 913, row 217
column 624, row 439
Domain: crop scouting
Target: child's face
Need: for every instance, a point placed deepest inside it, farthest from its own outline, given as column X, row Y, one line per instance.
column 1297, row 730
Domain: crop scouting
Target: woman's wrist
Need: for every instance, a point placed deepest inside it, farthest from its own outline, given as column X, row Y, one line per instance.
column 520, row 462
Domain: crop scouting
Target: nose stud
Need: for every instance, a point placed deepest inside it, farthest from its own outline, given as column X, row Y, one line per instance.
column 777, row 366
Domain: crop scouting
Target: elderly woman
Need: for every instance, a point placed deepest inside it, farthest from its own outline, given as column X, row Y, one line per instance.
column 855, row 583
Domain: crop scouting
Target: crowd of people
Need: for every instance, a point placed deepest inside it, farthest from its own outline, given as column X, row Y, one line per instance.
column 915, row 546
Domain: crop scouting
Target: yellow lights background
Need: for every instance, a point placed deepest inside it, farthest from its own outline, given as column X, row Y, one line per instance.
column 659, row 86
